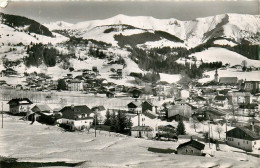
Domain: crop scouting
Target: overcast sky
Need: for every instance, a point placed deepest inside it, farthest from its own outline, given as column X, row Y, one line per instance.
column 77, row 11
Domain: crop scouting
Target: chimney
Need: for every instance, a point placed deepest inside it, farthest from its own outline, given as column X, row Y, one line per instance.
column 253, row 125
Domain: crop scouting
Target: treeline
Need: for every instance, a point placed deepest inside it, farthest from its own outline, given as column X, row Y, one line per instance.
column 246, row 49
column 20, row 21
column 39, row 53
column 157, row 62
column 96, row 53
column 148, row 77
column 118, row 122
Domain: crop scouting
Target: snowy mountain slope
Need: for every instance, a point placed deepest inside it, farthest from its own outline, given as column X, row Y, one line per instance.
column 58, row 25
column 23, row 24
column 214, row 54
column 194, row 32
column 12, row 36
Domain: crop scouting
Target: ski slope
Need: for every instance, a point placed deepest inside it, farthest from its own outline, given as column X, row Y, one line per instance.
column 215, row 54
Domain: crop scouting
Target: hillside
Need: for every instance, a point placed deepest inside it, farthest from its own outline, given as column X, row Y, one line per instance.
column 226, row 56
column 20, row 23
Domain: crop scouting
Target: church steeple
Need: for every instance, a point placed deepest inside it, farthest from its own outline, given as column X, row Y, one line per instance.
column 216, row 76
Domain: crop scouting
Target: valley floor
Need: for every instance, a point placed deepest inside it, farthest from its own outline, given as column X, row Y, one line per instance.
column 43, row 143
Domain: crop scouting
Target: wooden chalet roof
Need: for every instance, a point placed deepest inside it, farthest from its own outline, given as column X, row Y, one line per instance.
column 220, row 98
column 70, row 112
column 243, row 133
column 99, row 108
column 199, row 98
column 136, row 103
column 228, row 80
column 42, row 108
column 193, row 143
column 150, row 114
column 142, row 128
column 239, row 94
column 20, row 101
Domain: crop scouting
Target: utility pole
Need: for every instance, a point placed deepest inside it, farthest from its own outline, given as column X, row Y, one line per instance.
column 209, row 134
column 95, row 125
column 2, row 115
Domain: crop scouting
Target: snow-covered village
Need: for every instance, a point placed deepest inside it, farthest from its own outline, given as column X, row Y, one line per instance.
column 129, row 90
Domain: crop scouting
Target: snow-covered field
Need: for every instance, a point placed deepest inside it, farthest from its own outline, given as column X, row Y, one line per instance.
column 215, row 54
column 42, row 143
column 12, row 36
column 170, row 78
column 248, row 76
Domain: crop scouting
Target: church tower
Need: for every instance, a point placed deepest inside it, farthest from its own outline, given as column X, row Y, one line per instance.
column 216, row 76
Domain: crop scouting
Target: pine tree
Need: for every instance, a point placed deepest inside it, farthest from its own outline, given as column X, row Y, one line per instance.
column 108, row 119
column 129, row 123
column 181, row 128
column 61, row 84
column 121, row 122
column 113, row 122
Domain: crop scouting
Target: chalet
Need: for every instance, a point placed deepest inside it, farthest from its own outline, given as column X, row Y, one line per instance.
column 2, row 82
column 199, row 101
column 147, row 105
column 119, row 73
column 178, row 117
column 42, row 108
column 70, row 76
column 43, row 114
column 110, row 94
column 75, row 85
column 183, row 109
column 228, row 80
column 210, row 113
column 135, row 106
column 19, row 105
column 76, row 116
column 8, row 72
column 191, row 147
column 135, row 92
column 142, row 131
column 247, row 110
column 252, row 86
column 243, row 138
column 221, row 101
column 238, row 98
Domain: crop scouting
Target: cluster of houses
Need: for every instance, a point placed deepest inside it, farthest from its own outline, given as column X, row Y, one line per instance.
column 227, row 100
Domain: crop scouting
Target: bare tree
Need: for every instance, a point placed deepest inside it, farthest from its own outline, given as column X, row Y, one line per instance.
column 219, row 130
column 194, row 124
column 244, row 63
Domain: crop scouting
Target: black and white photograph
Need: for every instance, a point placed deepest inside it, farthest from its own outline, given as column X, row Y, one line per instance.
column 130, row 83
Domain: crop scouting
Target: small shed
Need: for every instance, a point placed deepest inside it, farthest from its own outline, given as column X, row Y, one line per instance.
column 42, row 108
column 191, row 147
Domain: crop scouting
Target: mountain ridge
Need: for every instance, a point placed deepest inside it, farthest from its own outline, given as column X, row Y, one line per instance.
column 193, row 32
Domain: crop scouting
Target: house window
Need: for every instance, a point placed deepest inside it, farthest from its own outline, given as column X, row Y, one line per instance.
column 191, row 151
column 186, row 150
column 247, row 142
column 238, row 143
column 255, row 142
